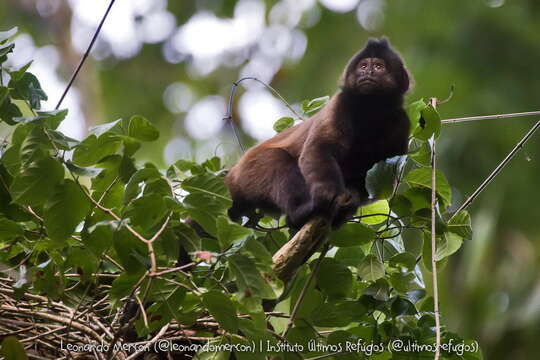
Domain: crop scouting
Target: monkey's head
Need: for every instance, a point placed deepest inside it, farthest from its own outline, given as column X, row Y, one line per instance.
column 376, row 70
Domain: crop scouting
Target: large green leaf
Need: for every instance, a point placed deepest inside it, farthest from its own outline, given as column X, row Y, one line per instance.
column 9, row 111
column 352, row 234
column 249, row 280
column 208, row 184
column 222, row 309
column 460, row 224
column 449, row 244
column 334, row 278
column 140, row 216
column 28, row 88
column 371, row 268
column 374, row 213
column 35, row 184
column 10, row 229
column 49, row 119
column 381, row 178
column 64, row 210
column 422, row 177
column 142, row 129
column 92, row 149
column 229, row 232
column 132, row 187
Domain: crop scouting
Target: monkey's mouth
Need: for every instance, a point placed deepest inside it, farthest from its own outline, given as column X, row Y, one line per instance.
column 367, row 81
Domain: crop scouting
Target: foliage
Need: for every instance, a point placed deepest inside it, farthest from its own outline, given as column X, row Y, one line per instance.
column 82, row 221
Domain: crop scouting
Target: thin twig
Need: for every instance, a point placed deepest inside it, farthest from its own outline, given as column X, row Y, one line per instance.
column 498, row 169
column 434, row 245
column 228, row 116
column 83, row 59
column 490, row 117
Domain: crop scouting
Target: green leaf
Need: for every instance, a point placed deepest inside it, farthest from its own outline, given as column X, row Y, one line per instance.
column 112, row 128
column 142, row 129
column 9, row 111
column 208, row 184
column 84, row 262
column 35, row 146
column 34, row 184
column 229, row 232
column 222, row 309
column 368, row 212
column 12, row 349
column 18, row 74
column 213, row 164
column 140, row 216
column 379, row 290
column 414, row 111
column 62, row 141
column 28, row 88
column 329, row 315
column 371, row 268
column 123, row 285
column 132, row 253
column 449, row 244
column 403, row 282
column 4, row 91
column 352, row 234
column 205, row 210
column 50, row 119
column 460, row 224
column 10, row 229
column 132, row 187
column 283, row 123
column 405, row 259
column 248, row 278
column 350, row 256
column 334, row 278
column 422, row 155
column 64, row 210
column 4, row 50
column 401, row 306
column 430, row 124
column 422, row 177
column 93, row 149
column 99, row 237
column 310, row 106
column 381, row 178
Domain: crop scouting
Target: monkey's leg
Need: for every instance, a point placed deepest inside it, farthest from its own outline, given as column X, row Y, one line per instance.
column 291, row 193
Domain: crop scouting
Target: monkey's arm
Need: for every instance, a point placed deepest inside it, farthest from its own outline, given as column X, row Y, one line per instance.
column 321, row 172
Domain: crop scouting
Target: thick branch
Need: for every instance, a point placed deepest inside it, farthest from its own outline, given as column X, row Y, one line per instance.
column 296, row 251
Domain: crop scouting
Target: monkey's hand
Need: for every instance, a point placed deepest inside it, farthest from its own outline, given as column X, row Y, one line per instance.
column 324, row 196
column 344, row 207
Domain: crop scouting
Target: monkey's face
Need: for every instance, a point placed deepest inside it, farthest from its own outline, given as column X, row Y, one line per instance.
column 371, row 76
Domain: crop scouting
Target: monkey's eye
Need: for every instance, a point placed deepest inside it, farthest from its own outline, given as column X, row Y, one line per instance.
column 363, row 66
column 379, row 67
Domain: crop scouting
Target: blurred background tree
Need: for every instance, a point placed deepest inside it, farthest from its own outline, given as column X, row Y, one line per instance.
column 174, row 62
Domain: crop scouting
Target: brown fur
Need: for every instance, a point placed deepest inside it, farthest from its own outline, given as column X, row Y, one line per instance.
column 319, row 166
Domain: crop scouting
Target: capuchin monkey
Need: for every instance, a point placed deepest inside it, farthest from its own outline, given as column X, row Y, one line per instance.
column 319, row 166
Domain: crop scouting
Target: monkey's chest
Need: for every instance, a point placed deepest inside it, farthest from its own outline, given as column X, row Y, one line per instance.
column 362, row 156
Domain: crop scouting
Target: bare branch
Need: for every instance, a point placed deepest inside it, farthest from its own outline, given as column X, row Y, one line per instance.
column 498, row 169
column 489, row 117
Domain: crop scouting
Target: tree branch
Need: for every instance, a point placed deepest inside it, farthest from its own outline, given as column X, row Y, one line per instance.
column 296, row 251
